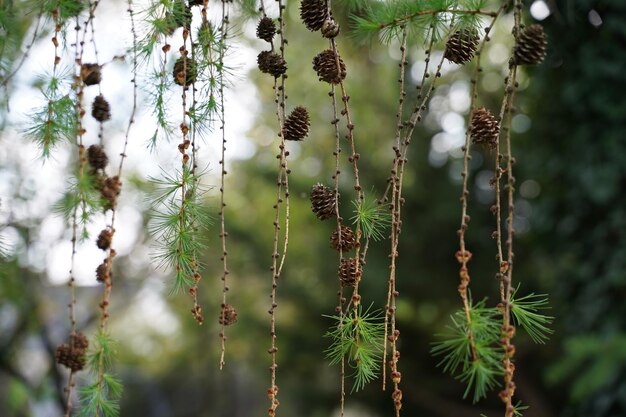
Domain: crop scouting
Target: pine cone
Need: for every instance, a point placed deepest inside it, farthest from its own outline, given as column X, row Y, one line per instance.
column 73, row 359
column 330, row 28
column 266, row 29
column 297, row 124
column 313, row 13
column 325, row 64
column 184, row 75
column 271, row 63
column 349, row 272
column 104, row 239
column 484, row 128
column 461, row 46
column 109, row 191
column 103, row 272
column 228, row 315
column 100, row 109
column 80, row 341
column 90, row 73
column 97, row 158
column 530, row 48
column 323, row 202
column 347, row 239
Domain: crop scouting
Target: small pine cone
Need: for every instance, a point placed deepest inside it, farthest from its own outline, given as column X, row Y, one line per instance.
column 349, row 272
column 97, row 158
column 266, row 29
column 530, row 48
column 228, row 315
column 111, row 188
column 461, row 46
column 323, row 202
column 104, row 239
column 484, row 128
column 271, row 63
column 80, row 341
column 325, row 65
column 184, row 71
column 330, row 28
column 90, row 73
column 73, row 359
column 297, row 124
column 100, row 109
column 313, row 14
column 103, row 272
column 347, row 239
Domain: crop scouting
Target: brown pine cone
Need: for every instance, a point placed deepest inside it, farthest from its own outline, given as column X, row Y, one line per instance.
column 296, row 126
column 73, row 359
column 103, row 272
column 184, row 71
column 348, row 240
column 90, row 73
column 330, row 28
column 530, row 48
column 97, row 157
column 111, row 188
column 271, row 63
column 325, row 65
column 349, row 272
column 313, row 14
column 104, row 239
column 100, row 109
column 266, row 29
column 228, row 315
column 323, row 202
column 484, row 128
column 461, row 46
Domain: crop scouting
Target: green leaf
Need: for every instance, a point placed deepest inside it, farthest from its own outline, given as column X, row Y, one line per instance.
column 373, row 218
column 357, row 337
column 526, row 312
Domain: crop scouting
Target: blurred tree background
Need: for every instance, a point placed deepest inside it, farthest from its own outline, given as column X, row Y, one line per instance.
column 570, row 145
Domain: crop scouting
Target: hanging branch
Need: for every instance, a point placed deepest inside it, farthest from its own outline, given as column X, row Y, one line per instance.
column 294, row 127
column 225, row 307
column 390, row 307
column 471, row 344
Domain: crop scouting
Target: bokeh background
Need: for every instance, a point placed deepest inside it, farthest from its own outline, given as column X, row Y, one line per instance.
column 570, row 146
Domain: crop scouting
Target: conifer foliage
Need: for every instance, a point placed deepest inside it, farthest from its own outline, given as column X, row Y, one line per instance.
column 180, row 50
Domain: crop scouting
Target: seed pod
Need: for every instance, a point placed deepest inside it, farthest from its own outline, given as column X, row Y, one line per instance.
column 325, row 65
column 297, row 124
column 323, row 202
column 100, row 109
column 530, row 48
column 484, row 128
column 461, row 46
